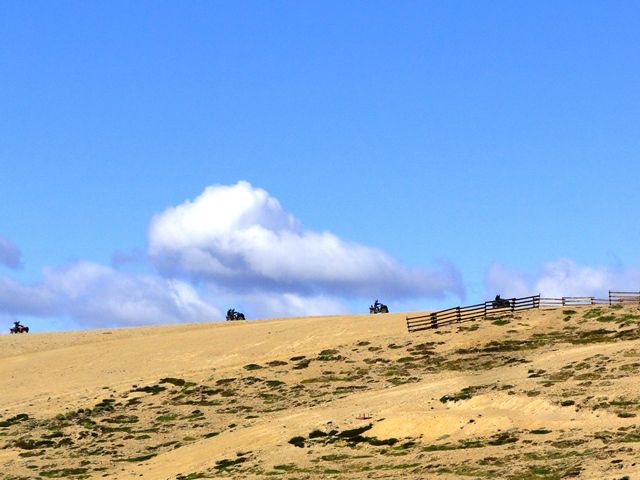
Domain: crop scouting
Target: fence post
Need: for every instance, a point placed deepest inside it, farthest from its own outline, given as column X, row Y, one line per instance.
column 609, row 297
column 563, row 301
column 485, row 309
column 458, row 310
column 434, row 320
column 513, row 304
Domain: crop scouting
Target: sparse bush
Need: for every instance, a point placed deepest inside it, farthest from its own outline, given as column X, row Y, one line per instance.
column 327, row 353
column 355, row 431
column 252, row 366
column 463, row 394
column 276, row 363
column 503, row 438
column 297, row 441
column 501, row 322
column 21, row 417
column 63, row 472
column 302, row 364
column 274, row 383
column 153, row 389
column 32, row 444
column 178, row 382
column 593, row 313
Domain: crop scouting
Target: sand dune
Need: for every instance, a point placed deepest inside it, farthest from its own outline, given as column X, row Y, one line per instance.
column 542, row 394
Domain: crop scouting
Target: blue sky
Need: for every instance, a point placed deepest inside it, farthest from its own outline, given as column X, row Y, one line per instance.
column 467, row 148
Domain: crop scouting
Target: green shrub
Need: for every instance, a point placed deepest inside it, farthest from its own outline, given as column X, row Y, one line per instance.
column 252, row 366
column 355, row 431
column 178, row 382
column 274, row 383
column 297, row 441
column 500, row 322
column 302, row 364
column 327, row 353
column 593, row 313
column 141, row 458
column 503, row 438
column 153, row 389
column 21, row 417
column 32, row 444
column 64, row 472
column 276, row 363
column 463, row 394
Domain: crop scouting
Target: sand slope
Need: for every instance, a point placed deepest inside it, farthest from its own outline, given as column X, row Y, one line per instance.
column 542, row 394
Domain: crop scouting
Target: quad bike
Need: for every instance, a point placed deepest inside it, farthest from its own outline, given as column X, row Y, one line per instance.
column 378, row 307
column 233, row 315
column 17, row 328
column 501, row 302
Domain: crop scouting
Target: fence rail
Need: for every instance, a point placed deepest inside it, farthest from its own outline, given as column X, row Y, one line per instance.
column 624, row 297
column 571, row 301
column 490, row 308
column 471, row 312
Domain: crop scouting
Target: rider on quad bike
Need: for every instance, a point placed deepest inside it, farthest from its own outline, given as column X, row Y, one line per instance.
column 18, row 328
column 500, row 302
column 233, row 315
column 378, row 307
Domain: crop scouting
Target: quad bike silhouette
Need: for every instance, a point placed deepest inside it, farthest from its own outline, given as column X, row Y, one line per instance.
column 501, row 302
column 378, row 307
column 18, row 328
column 233, row 315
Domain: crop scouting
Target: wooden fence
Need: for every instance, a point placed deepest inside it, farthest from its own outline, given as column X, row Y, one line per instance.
column 624, row 297
column 487, row 309
column 570, row 301
column 471, row 312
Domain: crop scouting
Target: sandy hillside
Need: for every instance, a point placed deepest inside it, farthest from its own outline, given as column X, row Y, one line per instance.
column 544, row 394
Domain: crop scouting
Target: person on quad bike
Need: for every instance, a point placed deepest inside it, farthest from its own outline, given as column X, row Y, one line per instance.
column 17, row 325
column 376, row 304
column 499, row 302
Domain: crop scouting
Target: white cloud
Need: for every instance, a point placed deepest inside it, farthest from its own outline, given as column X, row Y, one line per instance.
column 292, row 305
column 9, row 253
column 95, row 295
column 506, row 282
column 241, row 237
column 563, row 277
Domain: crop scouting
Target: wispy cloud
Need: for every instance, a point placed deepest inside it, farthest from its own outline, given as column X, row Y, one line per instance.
column 506, row 282
column 562, row 277
column 96, row 295
column 9, row 253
